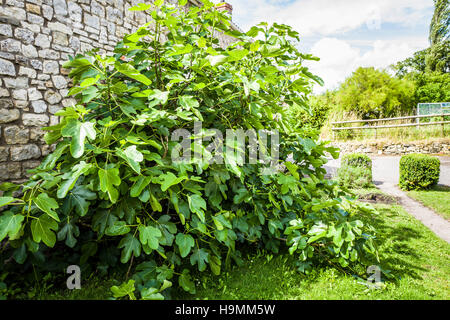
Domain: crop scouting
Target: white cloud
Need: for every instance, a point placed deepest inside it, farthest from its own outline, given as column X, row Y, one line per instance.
column 328, row 20
column 339, row 59
column 328, row 17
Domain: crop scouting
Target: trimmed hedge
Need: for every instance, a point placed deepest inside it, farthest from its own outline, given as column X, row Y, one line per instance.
column 357, row 160
column 355, row 171
column 418, row 171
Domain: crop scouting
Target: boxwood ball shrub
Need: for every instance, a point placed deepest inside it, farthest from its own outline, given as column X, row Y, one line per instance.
column 355, row 171
column 418, row 171
column 110, row 199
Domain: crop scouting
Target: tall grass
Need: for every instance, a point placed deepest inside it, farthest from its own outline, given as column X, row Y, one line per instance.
column 401, row 134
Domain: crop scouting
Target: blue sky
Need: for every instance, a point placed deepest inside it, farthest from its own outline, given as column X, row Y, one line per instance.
column 346, row 34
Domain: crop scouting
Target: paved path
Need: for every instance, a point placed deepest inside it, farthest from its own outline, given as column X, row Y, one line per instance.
column 385, row 171
column 428, row 217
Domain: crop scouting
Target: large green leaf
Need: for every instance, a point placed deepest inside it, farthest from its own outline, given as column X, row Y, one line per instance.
column 191, row 104
column 125, row 289
column 108, row 179
column 197, row 204
column 149, row 235
column 118, row 228
column 169, row 179
column 69, row 232
column 50, row 160
column 132, row 156
column 130, row 246
column 72, row 177
column 77, row 198
column 217, row 60
column 47, row 204
column 78, row 131
column 128, row 70
column 6, row 200
column 10, row 224
column 151, row 294
column 185, row 281
column 41, row 229
column 199, row 257
column 214, row 264
column 185, row 242
column 140, row 185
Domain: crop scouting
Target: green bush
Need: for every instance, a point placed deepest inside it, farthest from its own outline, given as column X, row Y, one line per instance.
column 110, row 197
column 418, row 171
column 357, row 160
column 354, row 177
column 355, row 171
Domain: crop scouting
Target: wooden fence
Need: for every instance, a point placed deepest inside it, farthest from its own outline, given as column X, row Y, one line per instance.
column 373, row 123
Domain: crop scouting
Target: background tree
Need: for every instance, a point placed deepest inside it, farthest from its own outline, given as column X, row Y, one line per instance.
column 414, row 64
column 438, row 58
column 370, row 93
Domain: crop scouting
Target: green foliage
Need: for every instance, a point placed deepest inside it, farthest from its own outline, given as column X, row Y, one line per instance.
column 414, row 64
column 419, row 171
column 314, row 117
column 111, row 191
column 429, row 68
column 357, row 160
column 355, row 171
column 372, row 94
column 432, row 87
column 354, row 176
column 438, row 57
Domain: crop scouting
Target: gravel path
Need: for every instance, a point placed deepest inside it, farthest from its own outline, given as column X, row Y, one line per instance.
column 385, row 171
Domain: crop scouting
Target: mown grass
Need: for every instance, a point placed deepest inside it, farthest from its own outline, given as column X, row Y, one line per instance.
column 374, row 195
column 415, row 256
column 436, row 198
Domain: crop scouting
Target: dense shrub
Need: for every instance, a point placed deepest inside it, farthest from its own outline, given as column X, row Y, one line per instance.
column 355, row 171
column 315, row 116
column 418, row 171
column 354, row 177
column 373, row 94
column 357, row 160
column 110, row 196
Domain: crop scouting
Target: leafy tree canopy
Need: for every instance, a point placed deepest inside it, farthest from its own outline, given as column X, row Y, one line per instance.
column 438, row 57
column 110, row 194
column 371, row 93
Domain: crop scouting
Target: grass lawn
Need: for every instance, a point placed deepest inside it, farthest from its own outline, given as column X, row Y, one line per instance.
column 374, row 195
column 437, row 198
column 418, row 259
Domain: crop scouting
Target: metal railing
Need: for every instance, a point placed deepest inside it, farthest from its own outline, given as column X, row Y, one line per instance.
column 376, row 121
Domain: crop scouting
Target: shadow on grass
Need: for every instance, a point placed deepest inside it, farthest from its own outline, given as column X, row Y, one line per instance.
column 397, row 244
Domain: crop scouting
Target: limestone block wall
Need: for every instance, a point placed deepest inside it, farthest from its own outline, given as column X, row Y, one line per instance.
column 36, row 38
column 439, row 146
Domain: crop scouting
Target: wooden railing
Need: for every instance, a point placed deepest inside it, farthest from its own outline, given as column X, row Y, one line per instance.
column 376, row 121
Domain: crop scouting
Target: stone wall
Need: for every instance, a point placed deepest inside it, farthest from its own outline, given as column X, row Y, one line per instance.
column 36, row 38
column 395, row 148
